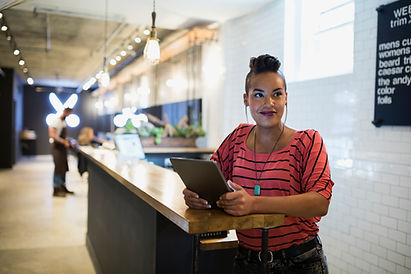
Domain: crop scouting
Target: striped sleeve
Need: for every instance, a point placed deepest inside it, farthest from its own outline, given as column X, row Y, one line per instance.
column 224, row 155
column 316, row 171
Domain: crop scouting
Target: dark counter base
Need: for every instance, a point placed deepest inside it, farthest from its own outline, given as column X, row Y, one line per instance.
column 126, row 235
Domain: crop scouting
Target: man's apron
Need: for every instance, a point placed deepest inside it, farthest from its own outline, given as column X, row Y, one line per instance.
column 59, row 152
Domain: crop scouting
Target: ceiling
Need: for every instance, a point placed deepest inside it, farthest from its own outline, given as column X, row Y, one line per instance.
column 62, row 42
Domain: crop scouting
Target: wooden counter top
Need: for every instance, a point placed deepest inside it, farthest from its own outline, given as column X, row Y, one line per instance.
column 162, row 189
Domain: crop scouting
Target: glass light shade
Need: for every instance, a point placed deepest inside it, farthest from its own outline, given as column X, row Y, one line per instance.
column 104, row 80
column 152, row 50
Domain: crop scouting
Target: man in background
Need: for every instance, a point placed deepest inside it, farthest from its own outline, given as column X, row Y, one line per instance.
column 59, row 145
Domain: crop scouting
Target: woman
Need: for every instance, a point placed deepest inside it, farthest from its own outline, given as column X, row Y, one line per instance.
column 86, row 137
column 274, row 169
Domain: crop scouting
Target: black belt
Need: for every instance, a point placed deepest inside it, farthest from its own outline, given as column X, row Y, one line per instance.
column 290, row 252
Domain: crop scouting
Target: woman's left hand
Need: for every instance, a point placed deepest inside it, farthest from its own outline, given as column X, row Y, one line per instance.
column 236, row 203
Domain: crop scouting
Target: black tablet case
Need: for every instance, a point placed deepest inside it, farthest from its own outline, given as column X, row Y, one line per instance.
column 201, row 176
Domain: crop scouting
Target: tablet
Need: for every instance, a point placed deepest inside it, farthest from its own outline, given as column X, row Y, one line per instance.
column 204, row 177
column 129, row 145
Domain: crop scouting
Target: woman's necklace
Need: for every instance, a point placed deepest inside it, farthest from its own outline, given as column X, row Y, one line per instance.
column 257, row 189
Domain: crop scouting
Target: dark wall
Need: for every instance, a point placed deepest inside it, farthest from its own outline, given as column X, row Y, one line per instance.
column 10, row 101
column 37, row 106
column 6, row 99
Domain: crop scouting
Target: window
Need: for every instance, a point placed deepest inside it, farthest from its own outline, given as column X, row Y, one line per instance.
column 319, row 38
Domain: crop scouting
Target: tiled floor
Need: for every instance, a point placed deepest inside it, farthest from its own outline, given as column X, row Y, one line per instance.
column 39, row 233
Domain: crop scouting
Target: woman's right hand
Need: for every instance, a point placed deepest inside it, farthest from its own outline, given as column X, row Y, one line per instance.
column 193, row 200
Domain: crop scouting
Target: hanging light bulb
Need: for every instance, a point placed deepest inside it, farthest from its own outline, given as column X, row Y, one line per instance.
column 104, row 80
column 152, row 48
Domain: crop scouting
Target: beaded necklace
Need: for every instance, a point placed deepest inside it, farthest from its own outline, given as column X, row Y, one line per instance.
column 257, row 188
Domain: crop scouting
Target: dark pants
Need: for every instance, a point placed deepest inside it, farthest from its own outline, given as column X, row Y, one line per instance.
column 59, row 180
column 312, row 261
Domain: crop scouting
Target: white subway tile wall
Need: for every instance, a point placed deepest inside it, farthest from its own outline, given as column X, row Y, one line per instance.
column 368, row 227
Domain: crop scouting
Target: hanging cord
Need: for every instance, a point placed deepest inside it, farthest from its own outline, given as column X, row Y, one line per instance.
column 153, row 33
column 105, row 37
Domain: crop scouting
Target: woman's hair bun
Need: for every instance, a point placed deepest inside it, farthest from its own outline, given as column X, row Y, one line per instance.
column 264, row 63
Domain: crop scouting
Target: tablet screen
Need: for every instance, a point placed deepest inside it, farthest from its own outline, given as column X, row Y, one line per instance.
column 129, row 145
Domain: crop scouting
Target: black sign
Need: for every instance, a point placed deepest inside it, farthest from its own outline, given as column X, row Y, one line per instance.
column 393, row 70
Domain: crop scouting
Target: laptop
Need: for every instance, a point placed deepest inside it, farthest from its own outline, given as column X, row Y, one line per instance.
column 129, row 145
column 201, row 176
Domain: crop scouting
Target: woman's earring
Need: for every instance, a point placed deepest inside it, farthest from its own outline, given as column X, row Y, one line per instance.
column 246, row 115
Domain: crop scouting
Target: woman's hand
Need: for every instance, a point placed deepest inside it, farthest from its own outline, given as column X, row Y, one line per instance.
column 194, row 201
column 237, row 203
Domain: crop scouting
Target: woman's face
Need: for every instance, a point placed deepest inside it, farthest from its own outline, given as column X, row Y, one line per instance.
column 266, row 99
column 90, row 134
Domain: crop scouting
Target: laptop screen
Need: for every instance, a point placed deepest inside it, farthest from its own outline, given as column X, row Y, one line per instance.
column 129, row 145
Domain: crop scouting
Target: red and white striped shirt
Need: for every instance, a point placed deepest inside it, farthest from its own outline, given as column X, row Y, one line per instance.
column 302, row 166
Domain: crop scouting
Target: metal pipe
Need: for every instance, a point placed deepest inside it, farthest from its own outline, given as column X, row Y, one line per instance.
column 78, row 14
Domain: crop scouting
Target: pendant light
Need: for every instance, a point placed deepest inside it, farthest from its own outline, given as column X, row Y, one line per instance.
column 152, row 48
column 104, row 80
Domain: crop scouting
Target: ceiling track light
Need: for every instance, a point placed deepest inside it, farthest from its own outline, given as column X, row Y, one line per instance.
column 127, row 48
column 15, row 50
column 30, row 81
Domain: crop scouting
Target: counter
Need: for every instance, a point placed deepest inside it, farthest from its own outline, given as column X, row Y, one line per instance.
column 138, row 221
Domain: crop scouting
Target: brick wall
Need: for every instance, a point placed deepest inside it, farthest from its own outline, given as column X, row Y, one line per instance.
column 368, row 227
